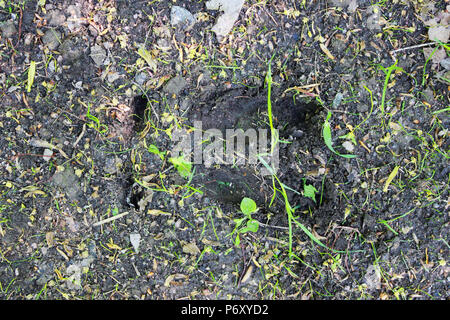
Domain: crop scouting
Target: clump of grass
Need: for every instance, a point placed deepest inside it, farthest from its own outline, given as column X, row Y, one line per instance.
column 277, row 185
column 95, row 122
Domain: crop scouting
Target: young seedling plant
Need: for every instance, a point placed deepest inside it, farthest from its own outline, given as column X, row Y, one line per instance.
column 248, row 206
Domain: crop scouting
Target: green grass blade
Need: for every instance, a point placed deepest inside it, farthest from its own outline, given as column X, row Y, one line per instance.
column 328, row 141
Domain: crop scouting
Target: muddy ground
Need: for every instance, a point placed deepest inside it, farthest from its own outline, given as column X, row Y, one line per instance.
column 93, row 205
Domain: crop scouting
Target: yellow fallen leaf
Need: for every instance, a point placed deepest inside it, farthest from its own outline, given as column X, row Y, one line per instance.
column 191, row 248
column 112, row 245
column 156, row 212
column 390, row 178
column 326, row 51
column 32, row 190
column 31, row 74
column 247, row 274
column 146, row 55
column 169, row 280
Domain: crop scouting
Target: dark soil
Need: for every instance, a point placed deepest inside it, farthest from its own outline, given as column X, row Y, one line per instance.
column 91, row 140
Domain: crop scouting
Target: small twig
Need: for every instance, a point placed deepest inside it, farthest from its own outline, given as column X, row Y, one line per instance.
column 269, row 226
column 245, row 267
column 20, row 26
column 413, row 47
column 348, row 229
column 83, row 131
column 99, row 223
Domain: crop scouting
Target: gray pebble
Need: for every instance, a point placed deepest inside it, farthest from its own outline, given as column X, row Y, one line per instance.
column 8, row 29
column 98, row 54
column 51, row 39
column 175, row 85
column 362, row 107
column 446, row 63
column 56, row 18
column 180, row 17
column 70, row 51
column 140, row 78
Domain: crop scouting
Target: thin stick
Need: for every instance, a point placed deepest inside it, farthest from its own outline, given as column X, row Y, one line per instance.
column 414, row 47
column 275, row 227
column 83, row 131
column 99, row 223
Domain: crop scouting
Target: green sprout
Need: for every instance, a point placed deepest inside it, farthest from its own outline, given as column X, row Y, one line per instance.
column 183, row 166
column 248, row 206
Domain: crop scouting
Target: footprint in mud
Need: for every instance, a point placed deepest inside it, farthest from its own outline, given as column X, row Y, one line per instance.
column 237, row 109
column 234, row 109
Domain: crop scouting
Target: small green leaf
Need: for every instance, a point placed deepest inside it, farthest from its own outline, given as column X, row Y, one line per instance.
column 310, row 192
column 239, row 222
column 390, row 178
column 252, row 225
column 146, row 55
column 237, row 240
column 183, row 166
column 154, row 149
column 31, row 74
column 327, row 138
column 248, row 206
column 349, row 136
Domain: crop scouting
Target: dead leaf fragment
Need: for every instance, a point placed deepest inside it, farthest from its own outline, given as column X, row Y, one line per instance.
column 191, row 248
column 390, row 178
column 50, row 238
column 326, row 51
column 247, row 274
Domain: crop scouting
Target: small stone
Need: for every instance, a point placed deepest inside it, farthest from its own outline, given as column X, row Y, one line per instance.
column 56, row 18
column 112, row 165
column 75, row 20
column 352, row 6
column 163, row 44
column 73, row 282
column 373, row 277
column 48, row 154
column 68, row 181
column 8, row 29
column 140, row 78
column 337, row 100
column 180, row 17
column 98, row 54
column 113, row 76
column 135, row 239
column 70, row 51
column 446, row 63
column 51, row 39
column 185, row 104
column 175, row 85
column 439, row 33
column 348, row 146
column 339, row 3
column 225, row 22
column 436, row 55
column 361, row 107
column 373, row 21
